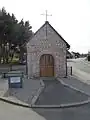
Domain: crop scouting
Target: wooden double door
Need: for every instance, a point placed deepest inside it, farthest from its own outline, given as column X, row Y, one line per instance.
column 46, row 65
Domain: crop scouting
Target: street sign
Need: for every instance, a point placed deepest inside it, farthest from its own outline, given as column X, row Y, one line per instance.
column 15, row 79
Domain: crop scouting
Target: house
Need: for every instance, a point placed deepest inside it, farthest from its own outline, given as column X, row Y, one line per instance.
column 69, row 55
column 46, row 53
column 75, row 55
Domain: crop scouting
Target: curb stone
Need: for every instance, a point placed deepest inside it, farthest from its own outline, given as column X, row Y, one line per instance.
column 42, row 83
column 14, row 102
column 45, row 106
column 34, row 99
column 77, row 104
column 70, row 86
column 77, row 77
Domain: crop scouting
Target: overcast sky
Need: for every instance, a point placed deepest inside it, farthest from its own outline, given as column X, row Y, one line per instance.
column 71, row 18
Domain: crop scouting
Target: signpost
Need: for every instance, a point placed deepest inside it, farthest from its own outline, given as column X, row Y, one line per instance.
column 15, row 79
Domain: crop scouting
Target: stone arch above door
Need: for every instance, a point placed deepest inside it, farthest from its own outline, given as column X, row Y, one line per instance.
column 46, row 65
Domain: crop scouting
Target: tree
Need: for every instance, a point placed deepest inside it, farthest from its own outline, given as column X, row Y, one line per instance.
column 12, row 32
column 24, row 35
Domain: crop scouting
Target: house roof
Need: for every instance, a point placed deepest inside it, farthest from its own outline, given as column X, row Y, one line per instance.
column 68, row 46
column 68, row 52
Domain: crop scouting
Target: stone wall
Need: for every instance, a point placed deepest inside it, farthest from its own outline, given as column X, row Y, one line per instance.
column 38, row 46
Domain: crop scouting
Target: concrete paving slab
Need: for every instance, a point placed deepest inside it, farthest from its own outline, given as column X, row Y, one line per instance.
column 12, row 112
column 25, row 94
column 74, row 82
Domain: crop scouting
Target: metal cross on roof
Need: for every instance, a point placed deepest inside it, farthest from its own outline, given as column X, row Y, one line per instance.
column 46, row 14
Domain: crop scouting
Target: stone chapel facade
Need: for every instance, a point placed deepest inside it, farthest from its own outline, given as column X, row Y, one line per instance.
column 46, row 53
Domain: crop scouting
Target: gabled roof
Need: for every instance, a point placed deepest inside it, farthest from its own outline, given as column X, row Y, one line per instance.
column 68, row 52
column 68, row 46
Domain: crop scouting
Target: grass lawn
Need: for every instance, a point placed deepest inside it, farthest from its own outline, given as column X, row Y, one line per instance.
column 14, row 60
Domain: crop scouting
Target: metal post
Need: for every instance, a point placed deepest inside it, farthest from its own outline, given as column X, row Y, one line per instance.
column 26, row 65
column 66, row 69
column 11, row 67
column 66, row 63
column 71, row 70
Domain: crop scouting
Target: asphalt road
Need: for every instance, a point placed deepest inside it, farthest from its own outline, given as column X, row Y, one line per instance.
column 79, row 113
column 12, row 112
column 80, row 64
column 55, row 94
column 81, row 69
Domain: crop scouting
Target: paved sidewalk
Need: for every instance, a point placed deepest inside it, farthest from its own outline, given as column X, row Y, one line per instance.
column 3, row 86
column 23, row 95
column 81, row 69
column 81, row 75
column 77, row 83
column 13, row 112
column 75, row 97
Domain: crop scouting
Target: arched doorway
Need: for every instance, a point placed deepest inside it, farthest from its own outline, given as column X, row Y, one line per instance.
column 46, row 65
